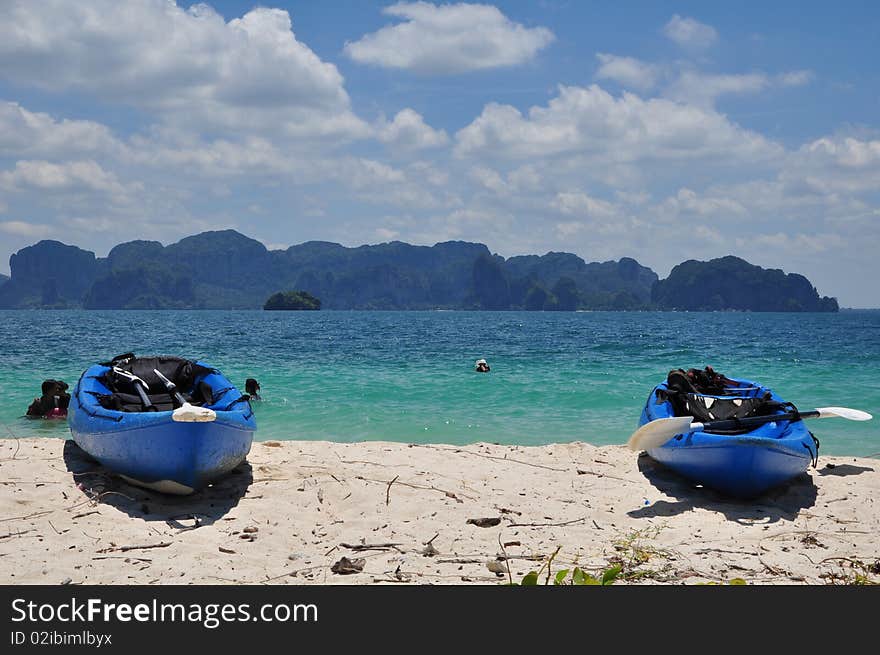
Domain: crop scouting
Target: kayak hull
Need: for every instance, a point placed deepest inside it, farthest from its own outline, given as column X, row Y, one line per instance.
column 153, row 450
column 741, row 465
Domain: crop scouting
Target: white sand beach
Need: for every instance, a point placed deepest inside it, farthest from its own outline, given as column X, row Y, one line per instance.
column 414, row 514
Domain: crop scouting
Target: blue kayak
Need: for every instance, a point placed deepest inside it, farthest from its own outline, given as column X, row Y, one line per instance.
column 174, row 439
column 738, row 463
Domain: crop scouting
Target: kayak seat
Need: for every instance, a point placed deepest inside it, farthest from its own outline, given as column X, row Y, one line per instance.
column 126, row 402
column 711, row 396
column 123, row 395
column 705, row 407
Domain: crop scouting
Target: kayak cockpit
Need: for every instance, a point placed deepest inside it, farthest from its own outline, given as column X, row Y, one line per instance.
column 167, row 423
column 133, row 384
column 709, row 396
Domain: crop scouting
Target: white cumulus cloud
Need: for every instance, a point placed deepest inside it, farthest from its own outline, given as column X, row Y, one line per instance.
column 409, row 131
column 188, row 66
column 26, row 133
column 50, row 176
column 835, row 165
column 627, row 71
column 704, row 89
column 29, row 230
column 448, row 38
column 591, row 123
column 690, row 33
column 575, row 203
column 687, row 201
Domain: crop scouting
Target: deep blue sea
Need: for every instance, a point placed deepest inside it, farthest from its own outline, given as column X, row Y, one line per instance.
column 409, row 376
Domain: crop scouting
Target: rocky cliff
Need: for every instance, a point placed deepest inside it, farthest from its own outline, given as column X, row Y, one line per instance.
column 731, row 283
column 226, row 269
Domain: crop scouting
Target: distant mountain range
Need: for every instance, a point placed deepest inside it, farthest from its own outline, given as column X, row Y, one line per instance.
column 228, row 270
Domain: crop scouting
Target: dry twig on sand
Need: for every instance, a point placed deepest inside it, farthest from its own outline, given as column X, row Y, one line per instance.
column 495, row 457
column 27, row 516
column 546, row 525
column 411, row 485
column 384, row 546
column 122, row 549
column 388, row 490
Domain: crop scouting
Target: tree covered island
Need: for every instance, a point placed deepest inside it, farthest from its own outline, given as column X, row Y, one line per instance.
column 292, row 300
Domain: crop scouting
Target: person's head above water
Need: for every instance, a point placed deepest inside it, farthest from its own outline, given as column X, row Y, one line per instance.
column 481, row 366
column 53, row 387
column 54, row 401
column 252, row 388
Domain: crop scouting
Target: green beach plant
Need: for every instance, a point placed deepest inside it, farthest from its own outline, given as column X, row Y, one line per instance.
column 854, row 572
column 577, row 576
column 574, row 577
column 635, row 551
column 736, row 582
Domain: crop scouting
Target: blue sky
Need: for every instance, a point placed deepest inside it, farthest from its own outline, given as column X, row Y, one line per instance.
column 662, row 131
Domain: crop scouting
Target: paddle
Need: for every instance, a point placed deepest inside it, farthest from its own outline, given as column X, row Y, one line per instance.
column 140, row 386
column 186, row 412
column 658, row 432
column 172, row 388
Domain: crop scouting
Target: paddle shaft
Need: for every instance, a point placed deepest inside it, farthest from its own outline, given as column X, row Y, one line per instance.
column 138, row 385
column 657, row 432
column 734, row 423
column 172, row 388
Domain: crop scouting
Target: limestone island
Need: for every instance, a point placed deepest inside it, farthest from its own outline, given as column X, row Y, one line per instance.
column 291, row 300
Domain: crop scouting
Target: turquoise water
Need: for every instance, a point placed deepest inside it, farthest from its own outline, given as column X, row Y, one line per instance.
column 408, row 376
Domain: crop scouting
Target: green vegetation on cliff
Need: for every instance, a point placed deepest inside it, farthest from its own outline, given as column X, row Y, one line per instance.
column 48, row 274
column 731, row 283
column 141, row 288
column 292, row 300
column 228, row 270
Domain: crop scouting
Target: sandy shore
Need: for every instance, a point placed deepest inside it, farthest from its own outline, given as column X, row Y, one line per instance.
column 412, row 514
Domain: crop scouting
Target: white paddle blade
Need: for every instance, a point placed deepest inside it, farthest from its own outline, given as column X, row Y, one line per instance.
column 843, row 412
column 191, row 414
column 658, row 432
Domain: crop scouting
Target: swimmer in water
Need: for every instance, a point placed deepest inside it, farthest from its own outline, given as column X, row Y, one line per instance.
column 252, row 388
column 53, row 403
